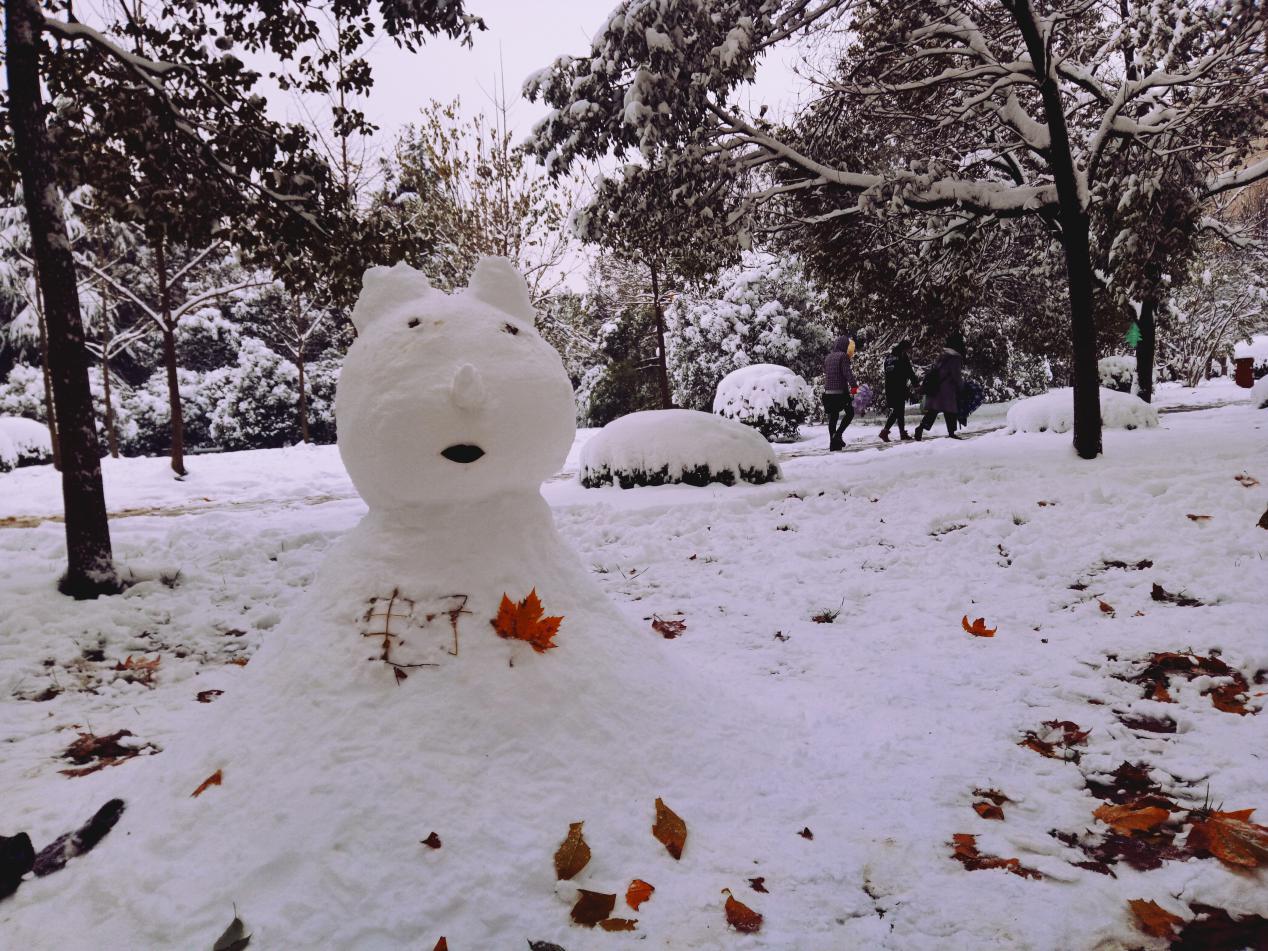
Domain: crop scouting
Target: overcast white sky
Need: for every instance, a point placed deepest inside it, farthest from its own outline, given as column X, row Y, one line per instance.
column 522, row 37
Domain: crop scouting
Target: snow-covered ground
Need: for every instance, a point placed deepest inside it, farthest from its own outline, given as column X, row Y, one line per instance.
column 871, row 730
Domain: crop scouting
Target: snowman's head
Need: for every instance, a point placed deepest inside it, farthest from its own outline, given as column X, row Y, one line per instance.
column 450, row 397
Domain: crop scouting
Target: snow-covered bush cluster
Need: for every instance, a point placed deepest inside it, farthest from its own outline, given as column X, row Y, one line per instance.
column 1118, row 373
column 763, row 311
column 1259, row 393
column 661, row 447
column 23, row 442
column 772, row 399
column 1053, row 412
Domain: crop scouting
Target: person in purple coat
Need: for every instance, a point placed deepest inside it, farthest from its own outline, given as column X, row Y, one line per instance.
column 839, row 387
column 942, row 387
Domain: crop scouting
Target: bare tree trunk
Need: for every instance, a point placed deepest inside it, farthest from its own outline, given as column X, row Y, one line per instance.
column 662, row 368
column 1146, row 349
column 112, row 437
column 90, row 563
column 303, row 395
column 50, row 411
column 1074, row 236
column 169, row 358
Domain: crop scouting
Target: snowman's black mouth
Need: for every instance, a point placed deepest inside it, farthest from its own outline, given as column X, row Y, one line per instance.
column 462, row 453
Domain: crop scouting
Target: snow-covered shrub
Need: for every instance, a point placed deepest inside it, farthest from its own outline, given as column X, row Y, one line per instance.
column 23, row 442
column 772, row 399
column 659, row 447
column 1054, row 412
column 1259, row 393
column 763, row 311
column 258, row 400
column 22, row 392
column 1117, row 372
column 207, row 340
column 321, row 377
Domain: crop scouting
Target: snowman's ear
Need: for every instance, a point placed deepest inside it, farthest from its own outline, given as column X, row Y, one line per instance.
column 496, row 282
column 385, row 290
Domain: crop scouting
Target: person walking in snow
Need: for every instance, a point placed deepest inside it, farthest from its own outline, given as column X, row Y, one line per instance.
column 899, row 374
column 942, row 387
column 839, row 388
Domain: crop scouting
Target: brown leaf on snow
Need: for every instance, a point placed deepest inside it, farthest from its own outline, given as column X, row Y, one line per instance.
column 758, row 884
column 988, row 810
column 668, row 629
column 1105, row 608
column 213, row 780
column 1198, row 518
column 592, row 907
column 101, row 751
column 1154, row 920
column 441, row 945
column 638, row 892
column 1246, row 479
column 618, row 924
column 573, row 853
column 525, row 622
column 1214, row 928
column 1159, row 593
column 432, row 841
column 669, row 829
column 1129, row 818
column 740, row 916
column 1057, row 739
column 978, row 628
column 1232, row 838
column 964, row 851
column 206, row 696
column 806, row 833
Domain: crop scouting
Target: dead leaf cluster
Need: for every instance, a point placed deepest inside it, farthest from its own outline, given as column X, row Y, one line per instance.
column 102, row 751
column 1057, row 740
column 668, row 629
column 138, row 670
column 1209, row 928
column 1155, row 677
column 964, row 851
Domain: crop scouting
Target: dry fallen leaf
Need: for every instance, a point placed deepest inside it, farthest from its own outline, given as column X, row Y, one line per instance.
column 638, row 892
column 1246, row 479
column 1129, row 818
column 740, row 916
column 524, row 622
column 432, row 841
column 988, row 810
column 1198, row 518
column 592, row 907
column 758, row 884
column 234, row 938
column 212, row 780
column 1105, row 608
column 669, row 829
column 806, row 833
column 1232, row 838
column 573, row 854
column 618, row 924
column 667, row 629
column 441, row 945
column 964, row 851
column 1154, row 920
column 978, row 628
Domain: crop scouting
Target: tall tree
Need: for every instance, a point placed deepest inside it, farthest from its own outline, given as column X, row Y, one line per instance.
column 1000, row 110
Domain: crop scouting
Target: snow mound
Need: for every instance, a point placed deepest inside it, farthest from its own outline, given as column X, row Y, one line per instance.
column 1117, row 372
column 664, row 446
column 1054, row 412
column 1256, row 348
column 23, row 442
column 1259, row 393
column 772, row 399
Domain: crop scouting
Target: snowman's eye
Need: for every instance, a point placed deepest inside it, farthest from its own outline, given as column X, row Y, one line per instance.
column 510, row 329
column 413, row 322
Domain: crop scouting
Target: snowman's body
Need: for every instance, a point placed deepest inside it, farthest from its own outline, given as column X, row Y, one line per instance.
column 451, row 410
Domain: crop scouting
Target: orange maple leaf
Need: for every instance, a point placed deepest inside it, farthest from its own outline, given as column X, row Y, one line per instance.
column 524, row 622
column 1128, row 818
column 978, row 628
column 638, row 892
column 1232, row 838
column 1154, row 919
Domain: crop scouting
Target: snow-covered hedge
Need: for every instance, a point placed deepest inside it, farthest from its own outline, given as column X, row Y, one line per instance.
column 665, row 446
column 1054, row 412
column 1117, row 372
column 23, row 442
column 1259, row 393
column 772, row 399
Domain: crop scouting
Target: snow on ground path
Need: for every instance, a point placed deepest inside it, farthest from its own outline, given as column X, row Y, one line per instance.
column 902, row 714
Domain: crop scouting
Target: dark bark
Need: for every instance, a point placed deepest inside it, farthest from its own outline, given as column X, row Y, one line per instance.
column 169, row 358
column 662, row 368
column 90, row 564
column 50, row 411
column 303, row 395
column 1146, row 349
column 1074, row 237
column 112, row 437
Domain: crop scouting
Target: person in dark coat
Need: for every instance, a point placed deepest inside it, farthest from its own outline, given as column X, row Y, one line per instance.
column 943, row 397
column 839, row 387
column 899, row 374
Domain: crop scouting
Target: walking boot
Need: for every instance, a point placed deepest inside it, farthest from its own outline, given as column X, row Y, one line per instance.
column 920, row 431
column 884, row 435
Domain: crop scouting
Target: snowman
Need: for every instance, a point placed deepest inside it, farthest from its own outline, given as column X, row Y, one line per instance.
column 390, row 706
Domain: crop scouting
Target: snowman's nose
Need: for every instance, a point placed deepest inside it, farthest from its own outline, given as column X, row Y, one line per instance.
column 467, row 389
